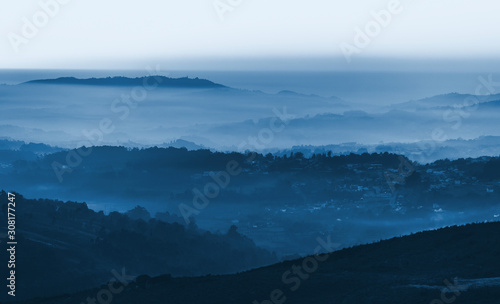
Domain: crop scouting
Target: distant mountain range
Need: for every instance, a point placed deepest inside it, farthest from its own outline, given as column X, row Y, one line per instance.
column 431, row 121
column 211, row 115
column 445, row 100
column 162, row 81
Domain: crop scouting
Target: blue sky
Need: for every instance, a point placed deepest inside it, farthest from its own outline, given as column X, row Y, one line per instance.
column 245, row 33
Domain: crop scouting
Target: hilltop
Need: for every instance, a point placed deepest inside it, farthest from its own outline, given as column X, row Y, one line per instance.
column 162, row 81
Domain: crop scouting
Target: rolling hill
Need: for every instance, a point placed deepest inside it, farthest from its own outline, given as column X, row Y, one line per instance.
column 442, row 266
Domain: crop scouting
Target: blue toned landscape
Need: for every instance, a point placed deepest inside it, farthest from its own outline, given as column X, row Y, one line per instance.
column 263, row 152
column 267, row 174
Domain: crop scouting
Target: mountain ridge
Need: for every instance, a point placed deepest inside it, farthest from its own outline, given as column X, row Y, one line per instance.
column 161, row 81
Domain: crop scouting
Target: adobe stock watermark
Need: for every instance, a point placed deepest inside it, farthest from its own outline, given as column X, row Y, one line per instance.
column 405, row 170
column 450, row 293
column 364, row 36
column 297, row 274
column 470, row 103
column 48, row 10
column 222, row 179
column 222, row 7
column 120, row 106
column 115, row 286
column 455, row 117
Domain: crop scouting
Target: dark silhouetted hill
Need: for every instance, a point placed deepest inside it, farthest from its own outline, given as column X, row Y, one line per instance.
column 162, row 81
column 66, row 247
column 458, row 264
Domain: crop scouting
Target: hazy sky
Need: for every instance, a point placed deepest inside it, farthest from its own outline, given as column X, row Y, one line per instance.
column 193, row 34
